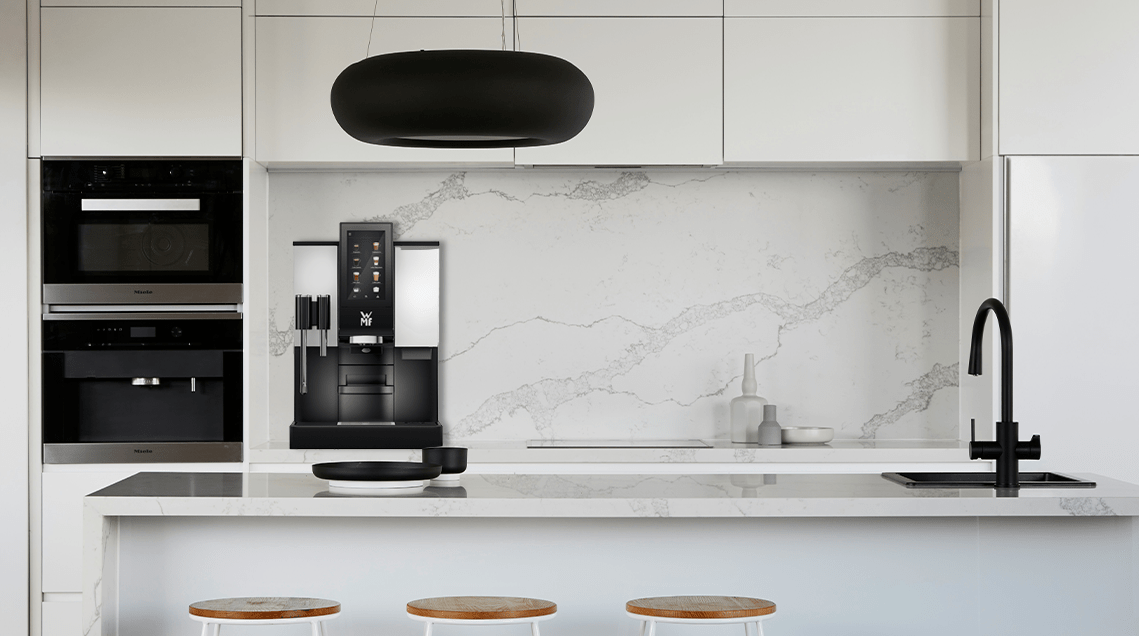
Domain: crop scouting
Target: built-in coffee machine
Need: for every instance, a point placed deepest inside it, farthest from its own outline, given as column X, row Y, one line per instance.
column 366, row 360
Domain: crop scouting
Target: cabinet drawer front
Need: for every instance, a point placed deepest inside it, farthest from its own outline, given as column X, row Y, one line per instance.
column 1068, row 84
column 140, row 82
column 385, row 8
column 851, row 89
column 847, row 8
column 657, row 86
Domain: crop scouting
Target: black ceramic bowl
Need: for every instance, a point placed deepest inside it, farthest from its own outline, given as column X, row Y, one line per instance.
column 453, row 459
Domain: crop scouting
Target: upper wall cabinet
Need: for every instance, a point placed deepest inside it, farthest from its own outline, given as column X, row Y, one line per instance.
column 877, row 81
column 300, row 55
column 140, row 81
column 1067, row 77
column 657, row 83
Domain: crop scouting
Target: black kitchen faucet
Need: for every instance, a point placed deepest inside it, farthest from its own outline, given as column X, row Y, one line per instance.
column 1007, row 450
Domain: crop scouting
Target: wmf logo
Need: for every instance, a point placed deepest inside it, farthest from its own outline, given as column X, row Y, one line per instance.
column 365, row 319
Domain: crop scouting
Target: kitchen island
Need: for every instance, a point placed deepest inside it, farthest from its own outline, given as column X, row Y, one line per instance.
column 848, row 554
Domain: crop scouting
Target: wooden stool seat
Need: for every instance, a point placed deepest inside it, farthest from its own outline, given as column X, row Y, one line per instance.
column 700, row 610
column 698, row 607
column 476, row 608
column 260, row 608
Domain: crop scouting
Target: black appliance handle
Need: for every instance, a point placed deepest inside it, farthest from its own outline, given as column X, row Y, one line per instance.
column 366, row 389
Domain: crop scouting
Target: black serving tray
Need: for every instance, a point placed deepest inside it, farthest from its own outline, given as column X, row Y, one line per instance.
column 376, row 471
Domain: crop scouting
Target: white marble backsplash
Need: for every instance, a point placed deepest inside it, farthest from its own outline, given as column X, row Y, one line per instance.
column 608, row 305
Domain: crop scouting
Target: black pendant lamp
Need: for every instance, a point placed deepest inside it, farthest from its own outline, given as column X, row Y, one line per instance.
column 462, row 99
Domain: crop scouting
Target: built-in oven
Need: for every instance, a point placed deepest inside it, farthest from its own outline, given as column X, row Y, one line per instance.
column 142, row 388
column 141, row 231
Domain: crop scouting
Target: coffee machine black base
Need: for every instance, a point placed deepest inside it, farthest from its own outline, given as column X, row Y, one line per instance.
column 360, row 436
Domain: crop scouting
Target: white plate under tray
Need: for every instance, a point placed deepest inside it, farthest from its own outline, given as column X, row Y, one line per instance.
column 408, row 487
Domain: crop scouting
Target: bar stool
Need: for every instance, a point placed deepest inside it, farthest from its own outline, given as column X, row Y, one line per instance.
column 700, row 610
column 263, row 610
column 481, row 610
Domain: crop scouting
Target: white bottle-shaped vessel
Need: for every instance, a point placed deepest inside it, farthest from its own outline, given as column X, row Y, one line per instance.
column 747, row 409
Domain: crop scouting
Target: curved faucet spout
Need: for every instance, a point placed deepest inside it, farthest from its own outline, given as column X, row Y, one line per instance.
column 1005, row 326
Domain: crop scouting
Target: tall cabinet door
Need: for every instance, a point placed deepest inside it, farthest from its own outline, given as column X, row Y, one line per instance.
column 298, row 59
column 1067, row 77
column 140, row 81
column 657, row 86
column 1072, row 226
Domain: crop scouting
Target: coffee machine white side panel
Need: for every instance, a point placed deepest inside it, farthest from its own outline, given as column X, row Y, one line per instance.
column 417, row 295
column 314, row 274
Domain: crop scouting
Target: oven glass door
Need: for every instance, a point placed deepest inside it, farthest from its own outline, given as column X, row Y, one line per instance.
column 107, row 239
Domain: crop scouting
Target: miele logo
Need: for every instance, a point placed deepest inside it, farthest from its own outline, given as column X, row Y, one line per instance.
column 143, row 291
column 365, row 319
column 143, row 450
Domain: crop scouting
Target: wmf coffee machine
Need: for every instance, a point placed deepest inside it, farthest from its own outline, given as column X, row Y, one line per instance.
column 377, row 302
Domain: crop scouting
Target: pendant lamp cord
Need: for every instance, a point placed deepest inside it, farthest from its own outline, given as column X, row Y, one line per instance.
column 517, row 36
column 375, row 9
column 502, row 4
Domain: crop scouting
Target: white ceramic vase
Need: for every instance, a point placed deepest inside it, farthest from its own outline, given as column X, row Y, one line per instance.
column 747, row 409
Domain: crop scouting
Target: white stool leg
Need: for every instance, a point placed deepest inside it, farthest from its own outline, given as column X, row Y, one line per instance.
column 315, row 627
column 640, row 633
column 759, row 628
column 205, row 629
column 217, row 629
column 427, row 628
column 749, row 629
column 652, row 628
column 534, row 628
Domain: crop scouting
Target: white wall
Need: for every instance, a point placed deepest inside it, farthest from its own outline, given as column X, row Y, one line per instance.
column 13, row 321
column 608, row 305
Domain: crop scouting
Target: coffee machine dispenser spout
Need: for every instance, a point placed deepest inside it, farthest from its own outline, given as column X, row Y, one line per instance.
column 303, row 321
column 323, row 321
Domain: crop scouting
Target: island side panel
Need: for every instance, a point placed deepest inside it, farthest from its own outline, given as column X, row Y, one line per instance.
column 100, row 571
column 852, row 575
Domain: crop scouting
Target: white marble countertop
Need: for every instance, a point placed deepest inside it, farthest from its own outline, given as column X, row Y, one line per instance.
column 597, row 496
column 846, row 451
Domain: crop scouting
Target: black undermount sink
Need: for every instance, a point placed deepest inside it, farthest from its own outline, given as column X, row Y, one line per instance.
column 984, row 480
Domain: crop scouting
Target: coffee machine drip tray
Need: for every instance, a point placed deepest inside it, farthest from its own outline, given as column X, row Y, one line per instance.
column 371, row 435
column 616, row 443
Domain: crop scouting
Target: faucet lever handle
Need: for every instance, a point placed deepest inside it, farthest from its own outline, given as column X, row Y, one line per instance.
column 972, row 430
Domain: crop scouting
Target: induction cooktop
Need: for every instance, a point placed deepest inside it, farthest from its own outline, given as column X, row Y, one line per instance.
column 617, row 443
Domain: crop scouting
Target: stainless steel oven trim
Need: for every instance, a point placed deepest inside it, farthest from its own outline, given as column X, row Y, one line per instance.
column 142, row 315
column 141, row 452
column 139, row 205
column 142, row 294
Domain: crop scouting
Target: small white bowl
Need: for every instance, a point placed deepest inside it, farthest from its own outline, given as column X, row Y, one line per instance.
column 807, row 435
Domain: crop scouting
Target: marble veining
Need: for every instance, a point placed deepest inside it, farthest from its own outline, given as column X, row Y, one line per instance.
column 594, row 304
column 1086, row 507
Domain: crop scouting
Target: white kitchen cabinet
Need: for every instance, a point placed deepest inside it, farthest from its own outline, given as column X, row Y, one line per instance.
column 1067, row 77
column 1072, row 224
column 62, row 545
column 619, row 8
column 847, row 8
column 61, row 618
column 657, row 89
column 298, row 59
column 827, row 89
column 385, row 8
column 140, row 81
